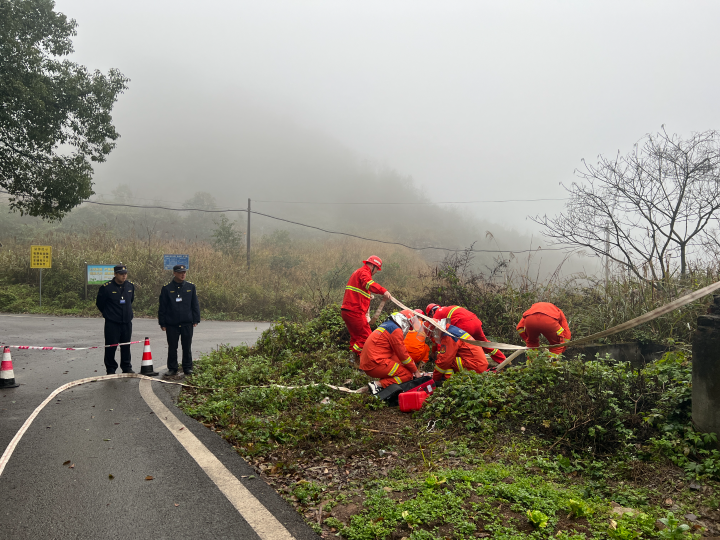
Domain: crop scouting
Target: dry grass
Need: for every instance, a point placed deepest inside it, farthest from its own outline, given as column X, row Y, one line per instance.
column 287, row 278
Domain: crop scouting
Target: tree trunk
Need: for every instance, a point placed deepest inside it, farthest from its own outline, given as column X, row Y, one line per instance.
column 682, row 261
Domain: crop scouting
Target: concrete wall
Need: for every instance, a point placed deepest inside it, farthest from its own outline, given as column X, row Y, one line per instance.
column 706, row 371
column 638, row 354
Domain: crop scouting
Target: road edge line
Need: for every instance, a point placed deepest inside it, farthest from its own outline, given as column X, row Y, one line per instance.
column 250, row 508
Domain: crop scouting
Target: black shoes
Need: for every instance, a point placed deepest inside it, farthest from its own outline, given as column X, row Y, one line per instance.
column 188, row 372
column 172, row 372
column 128, row 371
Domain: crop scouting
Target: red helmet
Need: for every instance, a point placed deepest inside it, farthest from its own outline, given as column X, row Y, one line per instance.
column 420, row 311
column 430, row 308
column 374, row 259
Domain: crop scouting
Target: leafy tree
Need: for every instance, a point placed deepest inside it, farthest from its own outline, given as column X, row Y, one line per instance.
column 643, row 209
column 54, row 115
column 225, row 237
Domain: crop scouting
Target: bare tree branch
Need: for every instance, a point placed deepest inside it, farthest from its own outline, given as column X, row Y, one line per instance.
column 645, row 208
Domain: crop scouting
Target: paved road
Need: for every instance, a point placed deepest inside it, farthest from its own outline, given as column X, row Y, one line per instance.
column 126, row 428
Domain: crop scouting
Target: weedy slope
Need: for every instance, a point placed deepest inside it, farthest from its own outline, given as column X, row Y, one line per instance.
column 563, row 450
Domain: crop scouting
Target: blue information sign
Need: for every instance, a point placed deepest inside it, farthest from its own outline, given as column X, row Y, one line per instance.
column 97, row 274
column 173, row 259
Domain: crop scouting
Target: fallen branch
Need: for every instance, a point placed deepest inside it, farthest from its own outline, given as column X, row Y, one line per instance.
column 379, row 431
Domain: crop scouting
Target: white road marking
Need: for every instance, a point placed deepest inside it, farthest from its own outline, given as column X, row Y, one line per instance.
column 252, row 510
column 257, row 516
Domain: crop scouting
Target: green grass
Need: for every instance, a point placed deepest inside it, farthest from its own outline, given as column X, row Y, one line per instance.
column 485, row 451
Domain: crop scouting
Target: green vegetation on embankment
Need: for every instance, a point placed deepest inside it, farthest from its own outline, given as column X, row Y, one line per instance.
column 547, row 450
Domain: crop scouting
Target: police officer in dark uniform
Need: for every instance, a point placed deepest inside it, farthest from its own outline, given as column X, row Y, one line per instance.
column 178, row 314
column 114, row 300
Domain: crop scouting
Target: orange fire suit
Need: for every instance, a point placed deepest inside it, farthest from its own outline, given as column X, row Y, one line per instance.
column 356, row 303
column 416, row 347
column 468, row 321
column 385, row 357
column 454, row 355
column 546, row 319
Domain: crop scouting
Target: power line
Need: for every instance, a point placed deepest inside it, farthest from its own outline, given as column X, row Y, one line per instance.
column 124, row 205
column 405, row 245
column 412, row 203
column 331, row 232
column 166, row 207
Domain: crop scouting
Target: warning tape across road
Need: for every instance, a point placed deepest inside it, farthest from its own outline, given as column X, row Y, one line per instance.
column 38, row 348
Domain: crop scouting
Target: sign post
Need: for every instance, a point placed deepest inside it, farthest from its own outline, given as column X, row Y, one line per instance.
column 173, row 259
column 41, row 257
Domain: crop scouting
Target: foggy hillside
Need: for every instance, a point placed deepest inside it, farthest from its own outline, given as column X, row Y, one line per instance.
column 233, row 148
column 216, row 151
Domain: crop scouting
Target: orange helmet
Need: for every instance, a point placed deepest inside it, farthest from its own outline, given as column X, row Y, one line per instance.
column 430, row 308
column 374, row 259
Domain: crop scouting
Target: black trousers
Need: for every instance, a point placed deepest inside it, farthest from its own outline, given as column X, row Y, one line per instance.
column 184, row 333
column 117, row 333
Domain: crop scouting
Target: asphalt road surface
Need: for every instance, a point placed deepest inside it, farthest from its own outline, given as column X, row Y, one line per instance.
column 117, row 434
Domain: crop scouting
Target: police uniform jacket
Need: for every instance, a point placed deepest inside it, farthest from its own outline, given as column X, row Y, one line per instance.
column 115, row 301
column 178, row 304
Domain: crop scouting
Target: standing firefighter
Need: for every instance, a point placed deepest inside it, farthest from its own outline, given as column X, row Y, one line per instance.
column 454, row 355
column 385, row 357
column 356, row 302
column 546, row 319
column 468, row 321
column 114, row 300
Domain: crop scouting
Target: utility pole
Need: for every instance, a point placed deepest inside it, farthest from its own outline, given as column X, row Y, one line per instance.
column 248, row 235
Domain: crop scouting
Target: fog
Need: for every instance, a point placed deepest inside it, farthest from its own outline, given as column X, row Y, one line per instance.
column 392, row 101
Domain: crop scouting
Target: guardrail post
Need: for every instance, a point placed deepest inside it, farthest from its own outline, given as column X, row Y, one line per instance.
column 706, row 371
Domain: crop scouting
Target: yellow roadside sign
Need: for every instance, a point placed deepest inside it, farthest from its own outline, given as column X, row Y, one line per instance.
column 40, row 256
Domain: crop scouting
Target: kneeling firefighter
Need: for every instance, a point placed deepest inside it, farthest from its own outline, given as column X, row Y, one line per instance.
column 546, row 319
column 454, row 355
column 384, row 355
column 468, row 321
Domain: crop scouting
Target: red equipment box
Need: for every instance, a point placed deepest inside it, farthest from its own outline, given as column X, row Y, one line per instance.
column 412, row 401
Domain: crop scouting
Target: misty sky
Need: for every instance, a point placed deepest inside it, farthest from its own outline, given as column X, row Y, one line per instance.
column 471, row 99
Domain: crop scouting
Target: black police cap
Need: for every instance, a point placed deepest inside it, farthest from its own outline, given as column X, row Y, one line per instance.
column 179, row 268
column 120, row 269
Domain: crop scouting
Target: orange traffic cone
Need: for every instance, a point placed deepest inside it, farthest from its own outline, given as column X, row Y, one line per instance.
column 146, row 367
column 7, row 375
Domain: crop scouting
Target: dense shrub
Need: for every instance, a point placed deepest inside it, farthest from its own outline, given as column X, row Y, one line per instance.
column 598, row 408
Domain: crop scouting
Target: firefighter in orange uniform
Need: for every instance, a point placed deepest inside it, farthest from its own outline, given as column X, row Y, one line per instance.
column 416, row 346
column 454, row 355
column 468, row 321
column 546, row 319
column 385, row 357
column 356, row 302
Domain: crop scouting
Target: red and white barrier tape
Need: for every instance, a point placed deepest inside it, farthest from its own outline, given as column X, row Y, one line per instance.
column 33, row 347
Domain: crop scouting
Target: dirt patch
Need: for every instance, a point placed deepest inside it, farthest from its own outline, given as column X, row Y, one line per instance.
column 344, row 512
